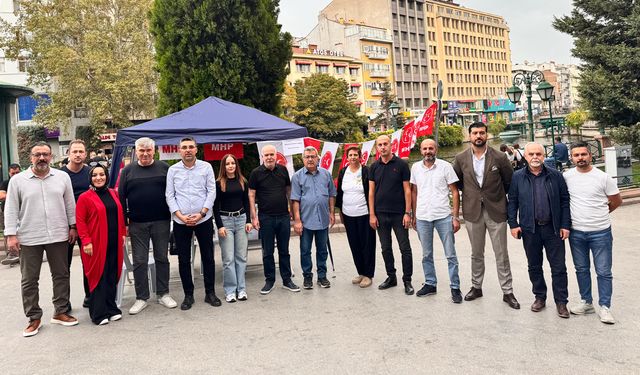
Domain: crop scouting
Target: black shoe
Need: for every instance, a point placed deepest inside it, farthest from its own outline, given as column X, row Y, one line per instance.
column 456, row 296
column 473, row 294
column 290, row 286
column 426, row 290
column 212, row 299
column 85, row 303
column 324, row 283
column 307, row 283
column 267, row 288
column 408, row 288
column 388, row 283
column 187, row 303
column 511, row 300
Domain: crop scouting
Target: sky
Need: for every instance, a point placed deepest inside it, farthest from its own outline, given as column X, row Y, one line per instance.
column 533, row 38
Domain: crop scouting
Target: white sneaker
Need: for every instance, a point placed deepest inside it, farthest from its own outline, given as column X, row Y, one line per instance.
column 582, row 308
column 230, row 298
column 138, row 306
column 115, row 318
column 167, row 301
column 104, row 321
column 606, row 316
column 10, row 260
column 242, row 295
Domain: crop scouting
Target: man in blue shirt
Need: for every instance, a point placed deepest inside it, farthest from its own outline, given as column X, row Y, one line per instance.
column 313, row 195
column 561, row 153
column 191, row 190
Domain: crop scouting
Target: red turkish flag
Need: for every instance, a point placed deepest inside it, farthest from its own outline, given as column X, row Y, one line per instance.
column 407, row 139
column 308, row 141
column 347, row 146
column 425, row 122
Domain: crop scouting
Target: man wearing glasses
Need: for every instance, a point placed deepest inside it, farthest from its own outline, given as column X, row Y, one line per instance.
column 313, row 197
column 79, row 174
column 141, row 191
column 39, row 217
column 191, row 191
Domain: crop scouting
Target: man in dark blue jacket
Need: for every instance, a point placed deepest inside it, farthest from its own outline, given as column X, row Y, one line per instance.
column 540, row 196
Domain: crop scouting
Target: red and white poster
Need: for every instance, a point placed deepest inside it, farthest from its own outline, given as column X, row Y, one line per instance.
column 426, row 121
column 281, row 158
column 218, row 150
column 347, row 146
column 169, row 152
column 366, row 151
column 395, row 141
column 407, row 140
column 328, row 155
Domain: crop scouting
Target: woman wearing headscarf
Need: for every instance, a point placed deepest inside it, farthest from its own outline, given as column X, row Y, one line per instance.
column 100, row 223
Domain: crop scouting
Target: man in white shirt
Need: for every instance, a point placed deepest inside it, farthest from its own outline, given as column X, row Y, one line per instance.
column 594, row 195
column 40, row 216
column 431, row 182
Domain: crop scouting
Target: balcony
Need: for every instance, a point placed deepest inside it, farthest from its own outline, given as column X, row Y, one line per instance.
column 379, row 73
column 377, row 55
column 377, row 92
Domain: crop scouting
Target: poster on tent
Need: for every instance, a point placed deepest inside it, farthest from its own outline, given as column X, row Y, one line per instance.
column 366, row 151
column 169, row 152
column 328, row 155
column 217, row 150
column 292, row 146
column 281, row 158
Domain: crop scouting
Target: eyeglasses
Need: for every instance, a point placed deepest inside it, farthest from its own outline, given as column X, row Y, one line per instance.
column 310, row 156
column 41, row 155
column 96, row 163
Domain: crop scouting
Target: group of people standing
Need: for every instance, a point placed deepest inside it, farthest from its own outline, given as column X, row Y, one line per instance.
column 50, row 211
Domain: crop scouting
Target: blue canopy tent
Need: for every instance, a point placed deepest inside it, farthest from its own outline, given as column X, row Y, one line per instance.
column 213, row 120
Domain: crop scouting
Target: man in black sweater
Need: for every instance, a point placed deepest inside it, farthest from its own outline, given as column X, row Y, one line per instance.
column 142, row 195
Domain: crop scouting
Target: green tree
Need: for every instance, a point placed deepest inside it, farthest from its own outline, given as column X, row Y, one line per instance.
column 387, row 98
column 607, row 40
column 232, row 49
column 576, row 119
column 93, row 53
column 628, row 135
column 325, row 107
column 497, row 126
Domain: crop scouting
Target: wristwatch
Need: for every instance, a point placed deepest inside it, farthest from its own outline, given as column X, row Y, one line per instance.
column 408, row 213
column 203, row 213
column 72, row 226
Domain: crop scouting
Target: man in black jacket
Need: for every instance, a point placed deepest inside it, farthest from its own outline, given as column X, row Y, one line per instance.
column 541, row 198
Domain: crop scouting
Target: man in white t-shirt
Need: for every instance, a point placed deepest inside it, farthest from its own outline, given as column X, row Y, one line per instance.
column 594, row 195
column 431, row 182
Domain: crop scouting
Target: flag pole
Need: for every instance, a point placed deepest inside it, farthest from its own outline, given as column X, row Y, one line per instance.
column 437, row 120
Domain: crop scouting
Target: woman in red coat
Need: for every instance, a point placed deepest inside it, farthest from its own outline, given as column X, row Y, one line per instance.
column 100, row 223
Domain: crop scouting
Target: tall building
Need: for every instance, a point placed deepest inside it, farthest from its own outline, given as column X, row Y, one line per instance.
column 564, row 77
column 308, row 59
column 435, row 40
column 371, row 45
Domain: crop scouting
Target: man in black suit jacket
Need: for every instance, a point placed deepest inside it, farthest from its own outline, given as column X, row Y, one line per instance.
column 485, row 175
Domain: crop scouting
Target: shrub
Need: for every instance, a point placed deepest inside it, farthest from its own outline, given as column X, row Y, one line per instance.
column 628, row 135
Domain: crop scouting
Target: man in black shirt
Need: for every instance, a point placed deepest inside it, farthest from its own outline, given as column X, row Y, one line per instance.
column 14, row 169
column 142, row 195
column 390, row 208
column 270, row 187
column 79, row 174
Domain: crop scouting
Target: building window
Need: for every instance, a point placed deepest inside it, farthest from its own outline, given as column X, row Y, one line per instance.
column 340, row 69
column 23, row 64
column 355, row 90
column 303, row 68
column 353, row 71
column 322, row 69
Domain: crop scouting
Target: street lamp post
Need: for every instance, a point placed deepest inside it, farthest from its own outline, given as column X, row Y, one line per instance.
column 394, row 108
column 545, row 90
column 515, row 92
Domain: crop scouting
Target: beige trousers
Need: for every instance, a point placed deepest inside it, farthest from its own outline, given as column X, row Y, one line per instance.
column 498, row 235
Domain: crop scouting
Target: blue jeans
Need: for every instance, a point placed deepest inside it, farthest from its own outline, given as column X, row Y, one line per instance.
column 600, row 243
column 445, row 232
column 234, row 254
column 322, row 236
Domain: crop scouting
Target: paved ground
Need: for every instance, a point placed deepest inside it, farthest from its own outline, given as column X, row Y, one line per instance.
column 343, row 329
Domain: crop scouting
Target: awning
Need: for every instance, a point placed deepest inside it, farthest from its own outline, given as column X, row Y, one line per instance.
column 357, row 103
column 303, row 62
column 355, row 84
column 322, row 63
column 339, row 64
